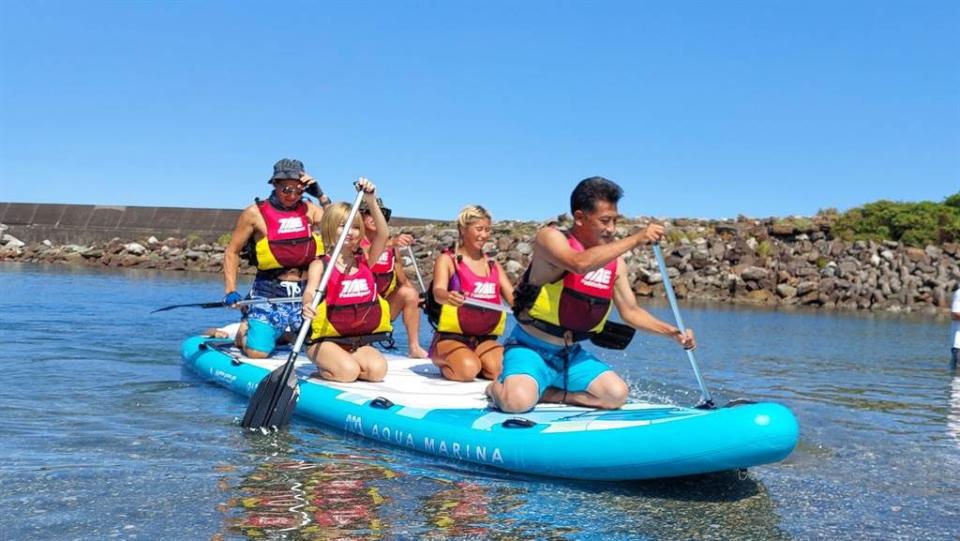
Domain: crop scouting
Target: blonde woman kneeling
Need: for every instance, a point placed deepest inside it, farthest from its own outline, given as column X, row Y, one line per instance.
column 352, row 315
column 465, row 343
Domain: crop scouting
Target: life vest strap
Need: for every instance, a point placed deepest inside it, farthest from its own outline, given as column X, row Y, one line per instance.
column 357, row 342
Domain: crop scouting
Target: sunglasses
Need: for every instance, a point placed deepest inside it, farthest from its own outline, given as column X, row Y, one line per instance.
column 386, row 213
column 291, row 190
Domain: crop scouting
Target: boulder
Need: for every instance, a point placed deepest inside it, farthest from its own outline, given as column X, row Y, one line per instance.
column 134, row 248
column 761, row 296
column 753, row 273
column 513, row 268
column 803, row 288
column 915, row 254
column 9, row 241
column 786, row 291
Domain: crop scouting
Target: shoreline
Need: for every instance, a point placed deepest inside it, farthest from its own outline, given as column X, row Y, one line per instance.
column 771, row 262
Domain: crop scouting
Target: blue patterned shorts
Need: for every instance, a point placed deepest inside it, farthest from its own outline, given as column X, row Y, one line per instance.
column 268, row 322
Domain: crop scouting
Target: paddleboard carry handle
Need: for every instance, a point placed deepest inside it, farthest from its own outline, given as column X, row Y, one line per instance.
column 518, row 422
column 381, row 403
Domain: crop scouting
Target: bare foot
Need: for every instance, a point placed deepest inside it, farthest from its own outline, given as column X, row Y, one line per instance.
column 216, row 333
column 417, row 352
column 488, row 390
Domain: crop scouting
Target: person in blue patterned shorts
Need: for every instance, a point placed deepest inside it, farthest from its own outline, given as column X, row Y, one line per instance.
column 279, row 240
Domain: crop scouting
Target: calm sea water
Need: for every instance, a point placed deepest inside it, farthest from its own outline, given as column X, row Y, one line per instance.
column 104, row 435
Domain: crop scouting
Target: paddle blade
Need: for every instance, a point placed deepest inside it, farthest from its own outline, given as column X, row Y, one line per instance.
column 273, row 403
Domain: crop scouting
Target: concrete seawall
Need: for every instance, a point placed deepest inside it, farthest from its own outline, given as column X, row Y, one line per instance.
column 88, row 224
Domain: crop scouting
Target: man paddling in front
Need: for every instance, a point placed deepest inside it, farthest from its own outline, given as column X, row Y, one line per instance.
column 564, row 297
column 278, row 234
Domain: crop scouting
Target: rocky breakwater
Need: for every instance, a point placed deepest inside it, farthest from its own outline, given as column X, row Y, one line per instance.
column 776, row 262
column 150, row 253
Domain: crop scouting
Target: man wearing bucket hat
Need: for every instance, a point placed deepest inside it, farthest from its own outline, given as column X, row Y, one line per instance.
column 276, row 236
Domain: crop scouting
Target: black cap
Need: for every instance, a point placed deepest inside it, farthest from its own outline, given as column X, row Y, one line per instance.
column 364, row 207
column 286, row 169
column 386, row 212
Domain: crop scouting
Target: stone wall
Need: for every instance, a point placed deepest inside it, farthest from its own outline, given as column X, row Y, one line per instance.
column 769, row 262
column 91, row 224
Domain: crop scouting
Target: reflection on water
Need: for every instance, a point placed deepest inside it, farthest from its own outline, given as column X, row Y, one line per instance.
column 459, row 511
column 953, row 418
column 727, row 505
column 351, row 497
column 332, row 495
column 336, row 498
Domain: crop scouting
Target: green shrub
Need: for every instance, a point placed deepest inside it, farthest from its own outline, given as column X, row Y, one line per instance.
column 223, row 239
column 914, row 224
column 674, row 236
column 765, row 248
column 953, row 201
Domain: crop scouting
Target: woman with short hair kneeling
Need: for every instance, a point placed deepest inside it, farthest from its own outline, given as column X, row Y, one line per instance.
column 352, row 315
column 465, row 343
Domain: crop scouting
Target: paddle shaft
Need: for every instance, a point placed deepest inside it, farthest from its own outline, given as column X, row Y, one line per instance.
column 277, row 393
column 221, row 304
column 473, row 302
column 423, row 288
column 484, row 304
column 327, row 273
column 668, row 288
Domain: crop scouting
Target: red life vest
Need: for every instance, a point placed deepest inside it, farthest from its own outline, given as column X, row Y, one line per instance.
column 289, row 243
column 351, row 306
column 384, row 270
column 579, row 303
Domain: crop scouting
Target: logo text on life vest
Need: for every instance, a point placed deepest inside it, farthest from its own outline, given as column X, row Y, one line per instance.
column 484, row 290
column 356, row 287
column 599, row 278
column 291, row 225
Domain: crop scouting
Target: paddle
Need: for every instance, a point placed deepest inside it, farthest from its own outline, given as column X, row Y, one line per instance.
column 423, row 288
column 706, row 400
column 484, row 304
column 221, row 304
column 276, row 396
column 473, row 302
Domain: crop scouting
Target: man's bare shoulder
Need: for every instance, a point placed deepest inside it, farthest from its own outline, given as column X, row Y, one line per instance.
column 251, row 209
column 548, row 234
column 250, row 219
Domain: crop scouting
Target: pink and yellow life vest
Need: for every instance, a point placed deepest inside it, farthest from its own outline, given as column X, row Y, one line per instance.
column 351, row 306
column 384, row 270
column 470, row 320
column 290, row 243
column 575, row 303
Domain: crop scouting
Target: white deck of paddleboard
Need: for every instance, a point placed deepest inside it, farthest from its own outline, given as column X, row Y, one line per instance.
column 418, row 385
column 415, row 383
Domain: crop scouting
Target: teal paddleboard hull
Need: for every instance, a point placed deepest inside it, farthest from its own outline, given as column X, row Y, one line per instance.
column 414, row 408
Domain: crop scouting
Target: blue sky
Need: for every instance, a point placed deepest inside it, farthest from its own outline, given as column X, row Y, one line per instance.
column 698, row 109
